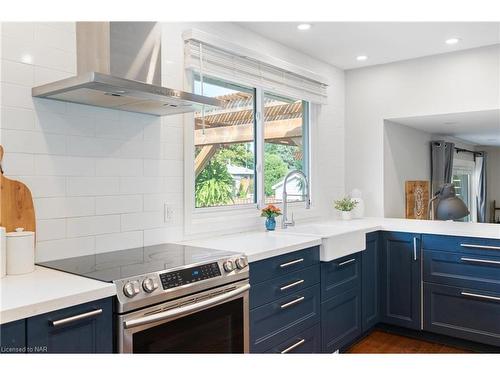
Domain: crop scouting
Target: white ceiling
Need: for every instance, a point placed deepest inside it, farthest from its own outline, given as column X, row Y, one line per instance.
column 338, row 43
column 478, row 127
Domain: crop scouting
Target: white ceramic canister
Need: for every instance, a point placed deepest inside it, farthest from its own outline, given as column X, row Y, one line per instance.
column 20, row 252
column 3, row 252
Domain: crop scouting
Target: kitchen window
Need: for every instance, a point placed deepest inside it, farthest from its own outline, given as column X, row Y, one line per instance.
column 226, row 155
column 462, row 180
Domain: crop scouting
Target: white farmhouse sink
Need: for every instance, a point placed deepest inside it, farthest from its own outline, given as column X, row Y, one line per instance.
column 337, row 240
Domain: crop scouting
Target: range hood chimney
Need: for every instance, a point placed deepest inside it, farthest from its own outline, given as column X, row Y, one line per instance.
column 119, row 67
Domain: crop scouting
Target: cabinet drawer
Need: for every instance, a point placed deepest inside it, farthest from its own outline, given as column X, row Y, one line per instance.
column 272, row 324
column 340, row 320
column 464, row 313
column 270, row 290
column 280, row 265
column 462, row 270
column 307, row 341
column 13, row 337
column 340, row 275
column 85, row 328
column 471, row 245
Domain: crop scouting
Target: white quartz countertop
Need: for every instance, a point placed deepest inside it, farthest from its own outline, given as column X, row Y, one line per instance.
column 258, row 245
column 450, row 228
column 45, row 290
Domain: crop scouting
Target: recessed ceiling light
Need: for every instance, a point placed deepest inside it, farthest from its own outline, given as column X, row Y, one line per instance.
column 304, row 26
column 452, row 41
column 361, row 58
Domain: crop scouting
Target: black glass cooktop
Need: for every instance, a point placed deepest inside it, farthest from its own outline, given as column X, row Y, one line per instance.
column 135, row 262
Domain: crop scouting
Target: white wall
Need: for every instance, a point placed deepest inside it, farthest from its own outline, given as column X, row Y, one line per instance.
column 406, row 157
column 454, row 82
column 100, row 177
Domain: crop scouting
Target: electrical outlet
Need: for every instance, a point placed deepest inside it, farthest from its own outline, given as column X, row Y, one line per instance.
column 168, row 212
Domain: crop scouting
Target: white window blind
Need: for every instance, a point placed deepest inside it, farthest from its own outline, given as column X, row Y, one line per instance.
column 215, row 62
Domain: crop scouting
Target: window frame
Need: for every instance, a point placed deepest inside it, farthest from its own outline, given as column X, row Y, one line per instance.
column 194, row 213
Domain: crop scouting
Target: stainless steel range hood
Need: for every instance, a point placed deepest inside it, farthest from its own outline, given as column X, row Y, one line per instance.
column 119, row 67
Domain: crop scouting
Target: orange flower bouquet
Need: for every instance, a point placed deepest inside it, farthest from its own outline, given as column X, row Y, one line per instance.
column 270, row 211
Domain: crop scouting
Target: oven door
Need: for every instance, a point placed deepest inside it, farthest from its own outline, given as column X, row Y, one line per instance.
column 214, row 321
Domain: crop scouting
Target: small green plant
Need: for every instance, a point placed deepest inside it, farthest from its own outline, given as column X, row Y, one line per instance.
column 345, row 204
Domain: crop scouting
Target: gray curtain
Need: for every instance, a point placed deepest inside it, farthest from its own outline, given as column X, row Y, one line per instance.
column 481, row 198
column 441, row 164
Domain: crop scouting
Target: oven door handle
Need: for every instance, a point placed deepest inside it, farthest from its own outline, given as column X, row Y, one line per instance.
column 183, row 310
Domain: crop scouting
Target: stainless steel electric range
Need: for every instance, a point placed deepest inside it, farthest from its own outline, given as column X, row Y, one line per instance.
column 173, row 298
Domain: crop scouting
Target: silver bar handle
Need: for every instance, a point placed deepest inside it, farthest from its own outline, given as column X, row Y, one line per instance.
column 290, row 348
column 291, row 303
column 480, row 260
column 284, row 265
column 492, row 298
column 414, row 248
column 285, row 287
column 185, row 309
column 346, row 262
column 480, row 246
column 75, row 318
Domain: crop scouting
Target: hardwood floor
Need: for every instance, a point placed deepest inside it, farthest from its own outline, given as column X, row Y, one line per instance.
column 387, row 343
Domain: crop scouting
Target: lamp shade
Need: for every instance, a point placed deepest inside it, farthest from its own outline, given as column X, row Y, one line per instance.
column 449, row 206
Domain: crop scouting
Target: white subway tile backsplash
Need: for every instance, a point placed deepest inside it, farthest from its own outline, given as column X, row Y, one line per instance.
column 156, row 202
column 43, row 75
column 33, row 142
column 50, row 229
column 19, row 30
column 18, row 49
column 163, row 167
column 142, row 220
column 18, row 164
column 91, row 146
column 119, row 167
column 51, row 165
column 92, row 225
column 45, row 186
column 17, row 73
column 162, row 235
column 64, row 248
column 50, row 36
column 118, row 204
column 92, row 186
column 144, row 185
column 16, row 96
column 49, row 208
column 17, row 118
column 118, row 241
column 173, row 151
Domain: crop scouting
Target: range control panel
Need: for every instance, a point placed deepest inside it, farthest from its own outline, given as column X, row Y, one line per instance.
column 189, row 275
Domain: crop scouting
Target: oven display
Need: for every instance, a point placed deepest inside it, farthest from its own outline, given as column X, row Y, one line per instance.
column 189, row 275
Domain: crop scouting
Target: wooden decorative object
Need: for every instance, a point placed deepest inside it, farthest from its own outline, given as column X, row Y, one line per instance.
column 16, row 204
column 417, row 199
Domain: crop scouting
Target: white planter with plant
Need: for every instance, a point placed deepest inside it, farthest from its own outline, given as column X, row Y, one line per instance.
column 345, row 206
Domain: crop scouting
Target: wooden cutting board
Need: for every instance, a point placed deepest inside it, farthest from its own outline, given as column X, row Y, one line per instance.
column 417, row 199
column 16, row 204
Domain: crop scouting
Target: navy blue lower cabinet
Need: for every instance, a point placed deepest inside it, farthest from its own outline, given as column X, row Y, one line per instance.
column 370, row 269
column 400, row 279
column 340, row 275
column 85, row 328
column 340, row 320
column 464, row 313
column 307, row 341
column 275, row 322
column 13, row 337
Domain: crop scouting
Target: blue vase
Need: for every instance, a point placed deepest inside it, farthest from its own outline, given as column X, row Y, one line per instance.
column 270, row 223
